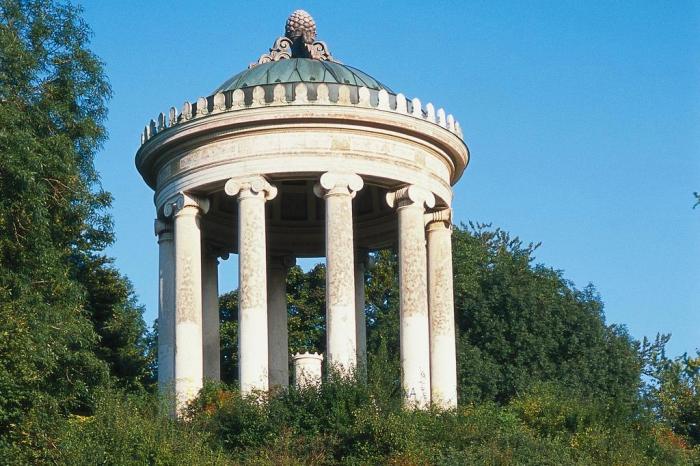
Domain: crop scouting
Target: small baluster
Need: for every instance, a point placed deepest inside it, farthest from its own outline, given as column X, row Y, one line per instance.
column 219, row 102
column 301, row 95
column 417, row 110
column 401, row 104
column 322, row 94
column 237, row 99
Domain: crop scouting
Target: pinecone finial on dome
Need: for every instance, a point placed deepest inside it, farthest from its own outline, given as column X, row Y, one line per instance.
column 299, row 41
column 300, row 24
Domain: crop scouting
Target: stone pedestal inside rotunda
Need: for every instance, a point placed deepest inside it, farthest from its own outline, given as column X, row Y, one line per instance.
column 302, row 156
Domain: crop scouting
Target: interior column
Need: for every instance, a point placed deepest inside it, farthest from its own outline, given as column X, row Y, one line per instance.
column 360, row 320
column 166, row 305
column 278, row 344
column 210, row 316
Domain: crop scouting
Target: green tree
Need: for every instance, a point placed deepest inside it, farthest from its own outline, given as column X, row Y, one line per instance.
column 517, row 324
column 117, row 320
column 673, row 388
column 520, row 323
column 228, row 336
column 67, row 319
column 306, row 297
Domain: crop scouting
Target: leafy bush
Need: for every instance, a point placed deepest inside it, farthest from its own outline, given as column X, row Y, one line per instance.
column 344, row 422
column 125, row 430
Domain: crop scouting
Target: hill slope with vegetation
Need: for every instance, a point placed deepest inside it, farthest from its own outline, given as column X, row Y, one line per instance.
column 542, row 378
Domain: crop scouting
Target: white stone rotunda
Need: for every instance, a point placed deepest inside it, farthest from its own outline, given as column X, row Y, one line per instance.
column 302, row 156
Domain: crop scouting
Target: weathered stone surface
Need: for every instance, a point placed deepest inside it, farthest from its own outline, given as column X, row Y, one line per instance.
column 307, row 369
column 338, row 190
column 210, row 316
column 252, row 278
column 278, row 341
column 185, row 210
column 410, row 203
column 443, row 358
column 166, row 305
column 361, row 261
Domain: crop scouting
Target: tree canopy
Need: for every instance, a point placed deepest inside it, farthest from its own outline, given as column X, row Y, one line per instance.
column 68, row 319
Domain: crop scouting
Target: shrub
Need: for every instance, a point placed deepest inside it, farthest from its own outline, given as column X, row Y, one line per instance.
column 128, row 429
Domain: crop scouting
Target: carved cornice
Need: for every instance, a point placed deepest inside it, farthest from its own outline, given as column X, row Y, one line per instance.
column 250, row 187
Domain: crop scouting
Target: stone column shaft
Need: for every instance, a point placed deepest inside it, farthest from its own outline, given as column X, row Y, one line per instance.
column 252, row 274
column 186, row 210
column 414, row 322
column 341, row 347
column 360, row 319
column 210, row 317
column 278, row 344
column 166, row 306
column 443, row 355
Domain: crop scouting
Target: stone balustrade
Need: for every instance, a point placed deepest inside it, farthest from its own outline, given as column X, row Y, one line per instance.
column 300, row 94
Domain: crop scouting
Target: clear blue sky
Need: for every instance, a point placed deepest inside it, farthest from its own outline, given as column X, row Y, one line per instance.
column 583, row 120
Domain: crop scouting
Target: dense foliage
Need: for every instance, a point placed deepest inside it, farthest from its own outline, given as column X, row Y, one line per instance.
column 68, row 320
column 521, row 322
column 347, row 423
column 528, row 340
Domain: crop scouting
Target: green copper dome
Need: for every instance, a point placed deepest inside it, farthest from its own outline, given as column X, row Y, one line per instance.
column 307, row 70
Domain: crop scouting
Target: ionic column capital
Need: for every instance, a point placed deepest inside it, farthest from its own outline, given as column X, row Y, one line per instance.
column 181, row 201
column 438, row 219
column 215, row 251
column 332, row 183
column 362, row 257
column 410, row 195
column 284, row 262
column 255, row 186
column 162, row 228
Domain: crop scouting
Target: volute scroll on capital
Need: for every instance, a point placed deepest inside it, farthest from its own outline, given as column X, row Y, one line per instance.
column 409, row 195
column 182, row 200
column 255, row 186
column 338, row 183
